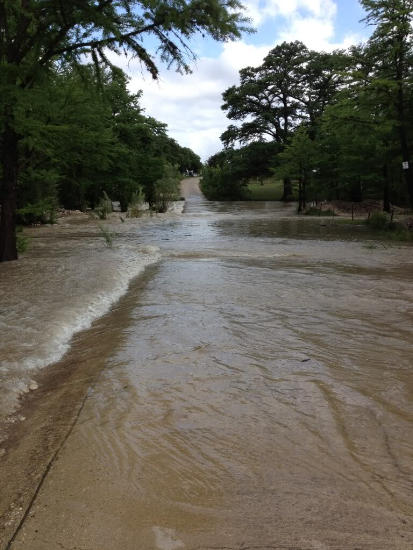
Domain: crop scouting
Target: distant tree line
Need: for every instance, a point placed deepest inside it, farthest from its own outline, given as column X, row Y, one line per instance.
column 339, row 125
column 84, row 135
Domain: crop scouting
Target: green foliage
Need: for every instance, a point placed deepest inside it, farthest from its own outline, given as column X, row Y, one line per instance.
column 38, row 213
column 382, row 223
column 298, row 160
column 342, row 121
column 22, row 242
column 292, row 84
column 107, row 235
column 136, row 202
column 104, row 207
column 166, row 189
column 228, row 173
column 84, row 138
column 390, row 51
column 187, row 161
column 219, row 183
column 400, row 234
column 48, row 120
column 378, row 220
column 70, row 30
column 265, row 190
column 299, row 157
column 287, row 94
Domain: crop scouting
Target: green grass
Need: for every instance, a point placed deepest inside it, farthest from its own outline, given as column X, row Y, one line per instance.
column 402, row 235
column 271, row 190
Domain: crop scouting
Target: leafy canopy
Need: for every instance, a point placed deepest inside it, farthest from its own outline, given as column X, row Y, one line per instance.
column 34, row 32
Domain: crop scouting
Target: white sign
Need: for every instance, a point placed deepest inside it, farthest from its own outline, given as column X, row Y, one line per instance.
column 405, row 165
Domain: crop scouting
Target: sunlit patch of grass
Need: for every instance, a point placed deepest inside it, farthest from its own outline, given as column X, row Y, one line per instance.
column 269, row 190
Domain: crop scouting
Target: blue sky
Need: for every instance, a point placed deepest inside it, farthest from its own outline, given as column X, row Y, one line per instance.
column 191, row 104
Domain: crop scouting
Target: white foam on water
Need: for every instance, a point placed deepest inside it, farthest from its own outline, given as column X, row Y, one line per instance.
column 176, row 207
column 55, row 298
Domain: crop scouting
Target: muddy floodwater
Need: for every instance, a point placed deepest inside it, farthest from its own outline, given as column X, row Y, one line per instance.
column 255, row 392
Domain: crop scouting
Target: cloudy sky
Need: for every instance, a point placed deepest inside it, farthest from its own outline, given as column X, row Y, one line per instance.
column 191, row 104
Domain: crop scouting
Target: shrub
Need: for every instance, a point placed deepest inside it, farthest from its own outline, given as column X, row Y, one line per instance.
column 378, row 220
column 393, row 230
column 22, row 242
column 107, row 235
column 166, row 189
column 37, row 213
column 136, row 202
column 104, row 207
column 220, row 183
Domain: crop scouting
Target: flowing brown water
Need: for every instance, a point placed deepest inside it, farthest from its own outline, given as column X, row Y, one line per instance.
column 256, row 393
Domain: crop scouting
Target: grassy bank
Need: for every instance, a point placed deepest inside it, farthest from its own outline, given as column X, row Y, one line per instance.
column 270, row 190
column 384, row 230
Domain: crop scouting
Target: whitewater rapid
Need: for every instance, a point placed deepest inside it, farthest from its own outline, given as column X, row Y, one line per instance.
column 68, row 278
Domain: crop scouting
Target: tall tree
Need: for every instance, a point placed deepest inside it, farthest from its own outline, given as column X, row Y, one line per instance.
column 391, row 46
column 298, row 160
column 37, row 33
column 358, row 136
column 322, row 76
column 266, row 100
column 292, row 85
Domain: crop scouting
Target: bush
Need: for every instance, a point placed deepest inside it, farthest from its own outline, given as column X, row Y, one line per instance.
column 38, row 213
column 107, row 235
column 401, row 234
column 136, row 202
column 104, row 207
column 378, row 220
column 220, row 183
column 396, row 231
column 166, row 189
column 22, row 242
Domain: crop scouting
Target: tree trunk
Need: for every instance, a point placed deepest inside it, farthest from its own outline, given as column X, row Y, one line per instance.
column 288, row 190
column 356, row 190
column 300, row 195
column 8, row 191
column 407, row 172
column 386, row 190
column 304, row 191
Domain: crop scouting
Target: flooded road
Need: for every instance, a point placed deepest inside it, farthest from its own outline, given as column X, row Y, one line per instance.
column 256, row 392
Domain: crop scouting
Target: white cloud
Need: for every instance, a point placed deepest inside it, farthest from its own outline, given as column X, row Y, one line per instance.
column 261, row 10
column 191, row 104
column 316, row 33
